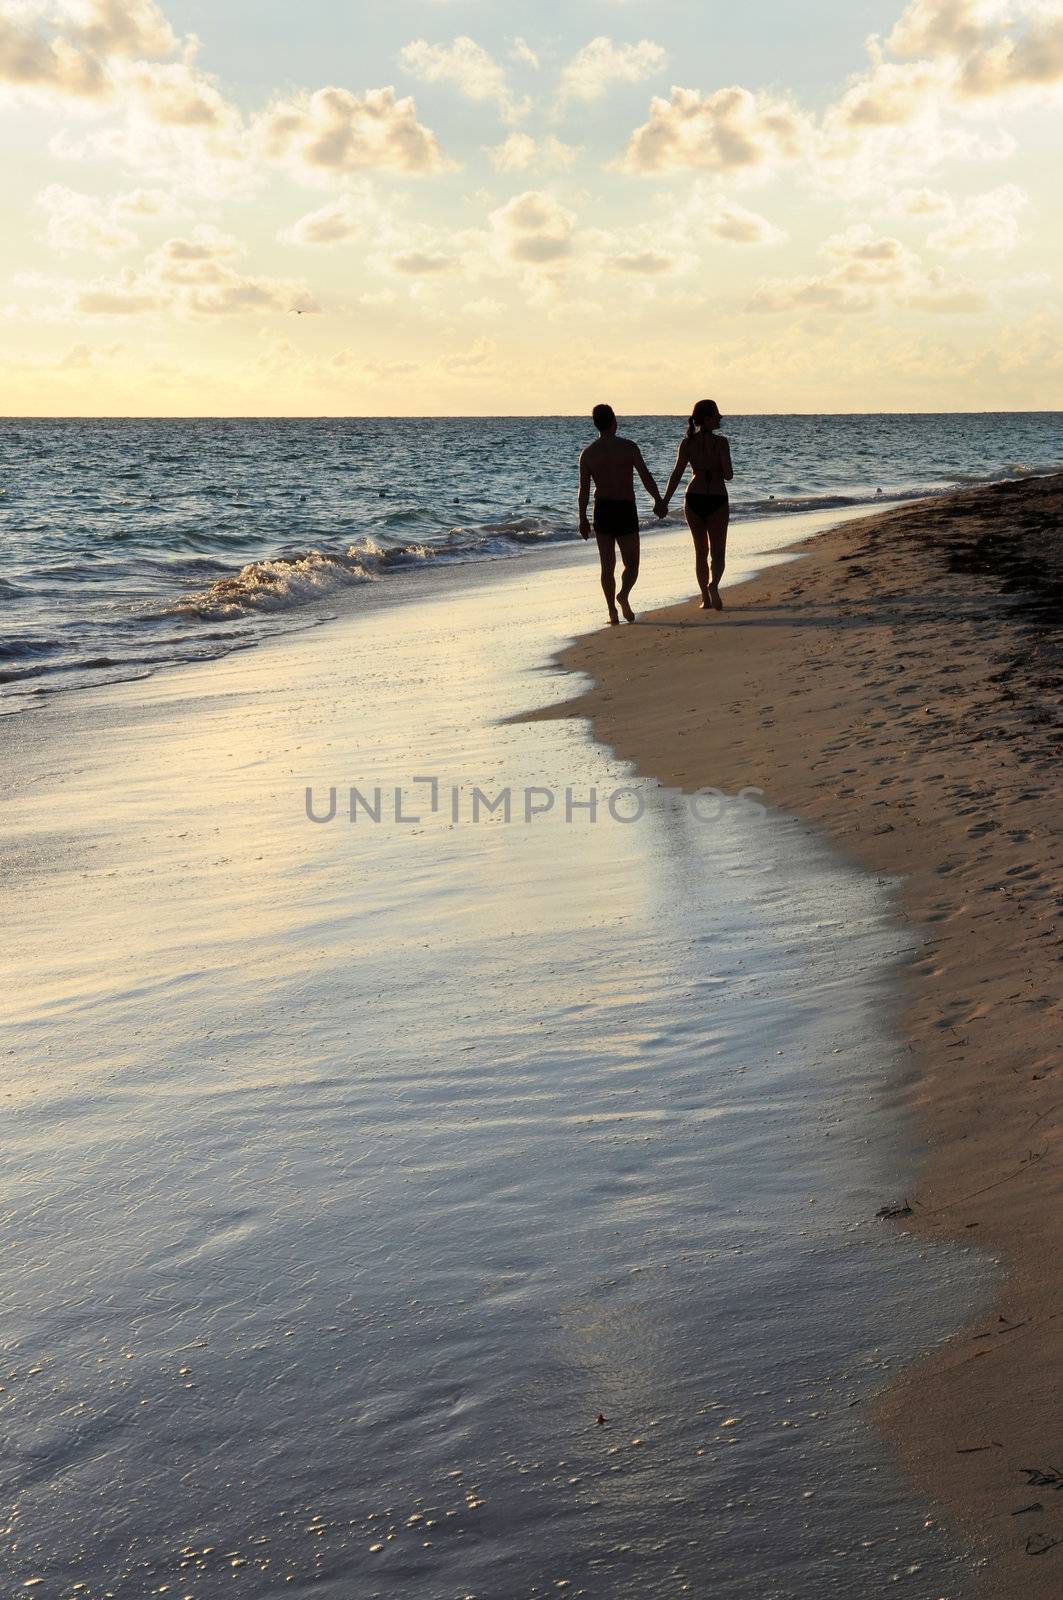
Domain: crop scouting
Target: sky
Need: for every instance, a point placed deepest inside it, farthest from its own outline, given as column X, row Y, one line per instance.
column 474, row 207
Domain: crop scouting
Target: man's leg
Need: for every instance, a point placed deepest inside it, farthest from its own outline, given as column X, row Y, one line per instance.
column 629, row 554
column 607, row 555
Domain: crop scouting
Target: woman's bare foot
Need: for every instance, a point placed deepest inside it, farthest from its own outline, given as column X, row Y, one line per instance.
column 706, row 601
column 625, row 606
column 614, row 620
column 714, row 598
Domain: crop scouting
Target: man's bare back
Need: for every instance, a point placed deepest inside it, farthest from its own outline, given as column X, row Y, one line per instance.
column 611, row 464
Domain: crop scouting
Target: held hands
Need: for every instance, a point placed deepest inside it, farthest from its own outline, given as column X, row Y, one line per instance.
column 660, row 508
column 584, row 528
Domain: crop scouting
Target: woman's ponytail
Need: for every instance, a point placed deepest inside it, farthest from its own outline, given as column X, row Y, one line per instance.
column 703, row 412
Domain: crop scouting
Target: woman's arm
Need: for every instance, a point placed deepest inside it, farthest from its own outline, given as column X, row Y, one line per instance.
column 725, row 458
column 649, row 482
column 678, row 470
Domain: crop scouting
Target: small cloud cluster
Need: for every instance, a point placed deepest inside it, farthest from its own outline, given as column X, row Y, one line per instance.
column 469, row 67
column 992, row 47
column 75, row 52
column 332, row 132
column 731, row 131
column 863, row 271
column 350, row 216
column 85, row 222
column 594, row 70
column 983, row 222
column 521, row 153
column 533, row 229
column 954, row 54
column 195, row 275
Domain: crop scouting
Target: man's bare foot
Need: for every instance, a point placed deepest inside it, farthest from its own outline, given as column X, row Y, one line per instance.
column 625, row 606
column 714, row 597
column 614, row 620
column 706, row 601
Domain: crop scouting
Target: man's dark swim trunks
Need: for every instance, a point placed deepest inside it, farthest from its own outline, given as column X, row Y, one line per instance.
column 615, row 519
column 703, row 505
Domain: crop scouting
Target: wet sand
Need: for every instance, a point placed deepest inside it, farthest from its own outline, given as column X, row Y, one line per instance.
column 898, row 688
column 351, row 1171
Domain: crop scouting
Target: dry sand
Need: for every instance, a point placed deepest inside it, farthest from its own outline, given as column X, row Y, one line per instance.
column 901, row 686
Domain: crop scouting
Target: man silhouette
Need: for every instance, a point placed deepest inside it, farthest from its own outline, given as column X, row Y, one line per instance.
column 610, row 463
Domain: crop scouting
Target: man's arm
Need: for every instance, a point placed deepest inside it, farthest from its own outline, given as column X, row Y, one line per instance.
column 584, row 494
column 649, row 482
column 677, row 472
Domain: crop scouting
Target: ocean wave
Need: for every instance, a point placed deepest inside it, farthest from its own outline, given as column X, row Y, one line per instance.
column 20, row 645
column 275, row 584
column 281, row 583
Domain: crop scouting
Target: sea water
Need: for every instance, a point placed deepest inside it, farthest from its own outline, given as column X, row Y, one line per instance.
column 127, row 544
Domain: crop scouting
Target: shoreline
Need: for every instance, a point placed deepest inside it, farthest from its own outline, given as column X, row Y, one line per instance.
column 898, row 689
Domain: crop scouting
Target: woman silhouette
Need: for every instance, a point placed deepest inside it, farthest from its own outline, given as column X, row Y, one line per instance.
column 707, row 507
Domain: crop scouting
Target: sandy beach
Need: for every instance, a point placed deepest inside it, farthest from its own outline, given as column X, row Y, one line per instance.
column 898, row 690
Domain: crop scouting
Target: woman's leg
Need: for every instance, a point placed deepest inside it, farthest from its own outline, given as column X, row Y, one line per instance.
column 717, row 531
column 700, row 534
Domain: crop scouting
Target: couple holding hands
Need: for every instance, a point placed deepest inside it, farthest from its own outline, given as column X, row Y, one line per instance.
column 610, row 463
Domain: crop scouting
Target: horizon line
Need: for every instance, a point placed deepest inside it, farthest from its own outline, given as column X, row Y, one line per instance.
column 481, row 416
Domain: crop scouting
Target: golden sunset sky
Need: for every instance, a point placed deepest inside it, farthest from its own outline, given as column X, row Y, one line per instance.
column 470, row 206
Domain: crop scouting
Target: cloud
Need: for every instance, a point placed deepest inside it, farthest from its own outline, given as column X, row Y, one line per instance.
column 468, row 66
column 921, row 203
column 423, row 263
column 952, row 54
column 533, row 229
column 123, row 27
column 864, row 272
column 984, row 222
column 29, row 60
column 522, row 51
column 521, row 153
column 332, row 131
column 340, row 220
column 164, row 116
column 944, row 27
column 937, row 293
column 193, row 275
column 124, row 296
column 83, row 221
column 601, row 63
column 73, row 53
column 476, row 359
column 891, row 94
column 734, row 224
column 175, row 93
column 907, row 112
column 1010, row 64
column 644, row 263
column 729, row 131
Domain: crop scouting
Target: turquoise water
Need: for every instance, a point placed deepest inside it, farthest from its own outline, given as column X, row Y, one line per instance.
column 128, row 544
